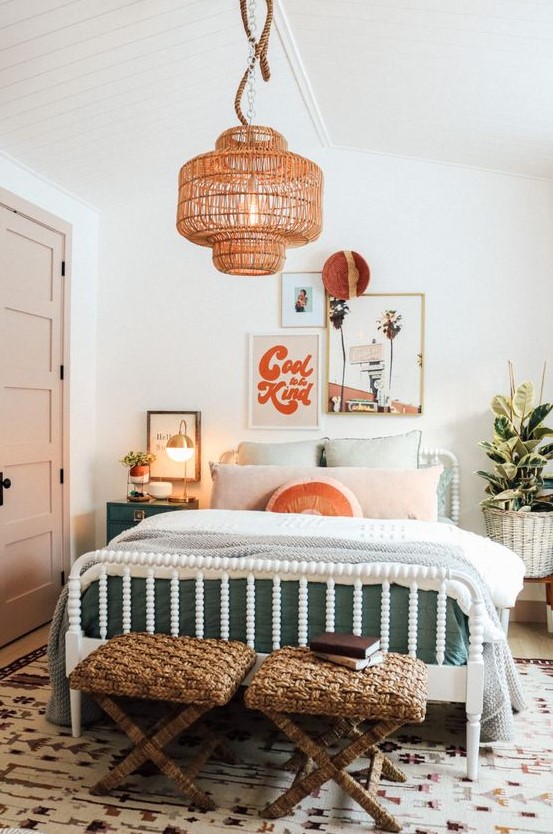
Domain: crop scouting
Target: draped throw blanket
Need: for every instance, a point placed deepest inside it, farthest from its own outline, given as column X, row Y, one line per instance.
column 502, row 688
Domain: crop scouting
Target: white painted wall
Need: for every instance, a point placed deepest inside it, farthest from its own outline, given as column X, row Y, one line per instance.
column 82, row 373
column 173, row 331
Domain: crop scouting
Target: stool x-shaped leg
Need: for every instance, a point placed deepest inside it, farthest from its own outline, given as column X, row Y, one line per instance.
column 150, row 747
column 301, row 764
column 334, row 768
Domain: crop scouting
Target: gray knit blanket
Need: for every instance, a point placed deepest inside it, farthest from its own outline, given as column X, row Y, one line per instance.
column 502, row 685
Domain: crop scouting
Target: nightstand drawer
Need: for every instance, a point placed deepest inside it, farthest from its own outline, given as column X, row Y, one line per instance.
column 122, row 515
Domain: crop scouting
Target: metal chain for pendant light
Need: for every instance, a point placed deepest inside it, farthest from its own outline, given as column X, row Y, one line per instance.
column 258, row 54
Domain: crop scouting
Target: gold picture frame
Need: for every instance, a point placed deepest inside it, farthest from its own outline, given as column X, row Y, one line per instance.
column 375, row 350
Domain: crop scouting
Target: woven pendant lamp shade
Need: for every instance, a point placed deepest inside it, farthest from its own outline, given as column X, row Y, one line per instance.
column 249, row 200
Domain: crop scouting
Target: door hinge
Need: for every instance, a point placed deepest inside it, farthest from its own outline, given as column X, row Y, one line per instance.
column 62, row 370
column 61, row 476
column 62, row 269
column 63, row 577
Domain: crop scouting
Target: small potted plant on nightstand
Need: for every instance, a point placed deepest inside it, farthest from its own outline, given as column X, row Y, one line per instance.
column 138, row 464
column 518, row 508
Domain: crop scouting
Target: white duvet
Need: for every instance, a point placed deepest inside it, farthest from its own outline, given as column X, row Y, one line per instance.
column 500, row 568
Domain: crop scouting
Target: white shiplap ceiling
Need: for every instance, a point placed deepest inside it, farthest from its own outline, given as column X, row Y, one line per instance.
column 107, row 98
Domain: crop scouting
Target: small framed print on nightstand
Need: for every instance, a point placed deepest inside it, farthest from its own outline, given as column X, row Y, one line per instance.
column 161, row 426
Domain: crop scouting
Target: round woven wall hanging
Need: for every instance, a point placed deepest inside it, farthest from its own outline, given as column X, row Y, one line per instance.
column 346, row 274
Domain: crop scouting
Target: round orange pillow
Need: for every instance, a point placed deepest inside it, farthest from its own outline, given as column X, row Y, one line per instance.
column 323, row 497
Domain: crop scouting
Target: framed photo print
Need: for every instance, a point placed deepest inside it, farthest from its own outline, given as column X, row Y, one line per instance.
column 303, row 300
column 375, row 354
column 161, row 426
column 284, row 381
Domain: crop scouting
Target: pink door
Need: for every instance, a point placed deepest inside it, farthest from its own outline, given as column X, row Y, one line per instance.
column 31, row 422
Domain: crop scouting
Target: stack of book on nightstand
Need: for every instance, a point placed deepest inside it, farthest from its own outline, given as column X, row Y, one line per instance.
column 351, row 650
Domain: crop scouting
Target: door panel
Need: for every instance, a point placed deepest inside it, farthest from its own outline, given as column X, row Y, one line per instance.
column 31, row 423
column 30, row 337
column 27, row 413
column 28, row 566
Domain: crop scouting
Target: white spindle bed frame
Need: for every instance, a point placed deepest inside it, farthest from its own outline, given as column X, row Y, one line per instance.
column 456, row 684
column 462, row 684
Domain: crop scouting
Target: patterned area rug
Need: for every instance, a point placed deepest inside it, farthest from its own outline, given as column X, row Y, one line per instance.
column 45, row 773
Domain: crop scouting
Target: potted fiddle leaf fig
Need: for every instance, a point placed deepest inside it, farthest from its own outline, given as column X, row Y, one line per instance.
column 518, row 509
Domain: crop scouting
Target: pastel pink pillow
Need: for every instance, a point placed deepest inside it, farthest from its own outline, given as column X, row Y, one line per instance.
column 382, row 493
column 325, row 496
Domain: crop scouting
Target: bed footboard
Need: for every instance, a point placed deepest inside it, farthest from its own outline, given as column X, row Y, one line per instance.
column 462, row 684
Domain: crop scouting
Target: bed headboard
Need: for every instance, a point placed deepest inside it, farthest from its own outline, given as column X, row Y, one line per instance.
column 450, row 478
column 450, row 482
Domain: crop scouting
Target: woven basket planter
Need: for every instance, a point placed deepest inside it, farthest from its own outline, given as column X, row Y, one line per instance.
column 528, row 534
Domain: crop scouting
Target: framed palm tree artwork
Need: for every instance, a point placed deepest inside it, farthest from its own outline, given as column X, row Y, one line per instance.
column 375, row 354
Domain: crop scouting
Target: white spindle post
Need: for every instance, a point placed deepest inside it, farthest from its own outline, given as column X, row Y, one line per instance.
column 103, row 602
column 357, row 606
column 276, row 612
column 175, row 603
column 303, row 611
column 412, row 638
column 330, row 604
column 126, row 603
column 225, row 606
column 150, row 601
column 385, row 616
column 250, row 610
column 199, row 607
column 441, row 624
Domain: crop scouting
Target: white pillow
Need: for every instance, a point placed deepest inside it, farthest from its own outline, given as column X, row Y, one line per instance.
column 298, row 453
column 396, row 451
column 382, row 493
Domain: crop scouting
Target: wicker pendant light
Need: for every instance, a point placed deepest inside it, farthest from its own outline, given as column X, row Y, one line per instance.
column 250, row 198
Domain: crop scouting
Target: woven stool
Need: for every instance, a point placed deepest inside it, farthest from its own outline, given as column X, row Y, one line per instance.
column 193, row 673
column 390, row 694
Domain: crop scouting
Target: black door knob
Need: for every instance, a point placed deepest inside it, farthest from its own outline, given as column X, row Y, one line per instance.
column 5, row 483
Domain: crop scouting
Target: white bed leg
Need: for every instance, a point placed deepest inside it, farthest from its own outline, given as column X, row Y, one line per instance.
column 473, row 745
column 549, row 619
column 75, row 703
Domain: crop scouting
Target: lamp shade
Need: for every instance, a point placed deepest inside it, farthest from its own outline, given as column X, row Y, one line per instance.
column 180, row 447
column 249, row 200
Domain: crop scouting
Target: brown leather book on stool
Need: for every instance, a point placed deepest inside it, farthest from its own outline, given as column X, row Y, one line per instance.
column 351, row 650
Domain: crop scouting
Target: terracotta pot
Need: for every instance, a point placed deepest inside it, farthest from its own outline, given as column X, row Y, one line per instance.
column 139, row 474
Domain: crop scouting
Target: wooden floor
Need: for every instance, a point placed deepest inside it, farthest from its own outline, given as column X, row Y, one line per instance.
column 531, row 640
column 525, row 640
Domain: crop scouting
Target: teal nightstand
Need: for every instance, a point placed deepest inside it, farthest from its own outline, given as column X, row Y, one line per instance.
column 122, row 515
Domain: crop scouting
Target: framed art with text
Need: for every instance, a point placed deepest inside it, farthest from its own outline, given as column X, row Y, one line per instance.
column 162, row 425
column 375, row 354
column 303, row 300
column 284, row 381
